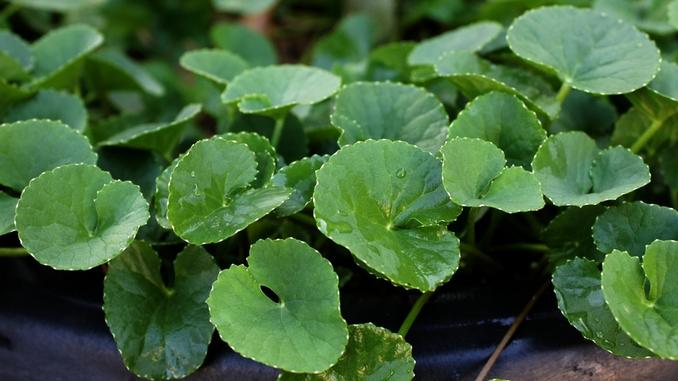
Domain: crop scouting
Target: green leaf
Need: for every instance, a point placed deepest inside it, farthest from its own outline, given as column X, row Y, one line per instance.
column 76, row 217
column 59, row 54
column 158, row 137
column 647, row 314
column 470, row 38
column 54, row 105
column 474, row 174
column 389, row 61
column 264, row 154
column 659, row 100
column 58, row 5
column 568, row 234
column 28, row 148
column 574, row 171
column 254, row 48
column 394, row 111
column 137, row 166
column 161, row 332
column 349, row 43
column 580, row 298
column 589, row 51
column 7, row 207
column 673, row 13
column 385, row 202
column 10, row 93
column 274, row 89
column 300, row 177
column 648, row 15
column 249, row 7
column 220, row 66
column 303, row 330
column 504, row 120
column 16, row 59
column 111, row 69
column 631, row 226
column 581, row 111
column 293, row 143
column 161, row 197
column 211, row 195
column 372, row 353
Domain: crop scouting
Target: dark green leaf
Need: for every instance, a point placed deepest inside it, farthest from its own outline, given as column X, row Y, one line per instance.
column 54, row 105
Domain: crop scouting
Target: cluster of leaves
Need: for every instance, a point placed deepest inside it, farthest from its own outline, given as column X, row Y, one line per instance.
column 357, row 147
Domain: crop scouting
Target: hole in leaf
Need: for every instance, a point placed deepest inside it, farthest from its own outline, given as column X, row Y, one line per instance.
column 270, row 294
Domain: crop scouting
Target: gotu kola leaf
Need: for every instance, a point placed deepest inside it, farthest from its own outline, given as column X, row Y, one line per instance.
column 301, row 331
column 16, row 59
column 54, row 105
column 574, row 171
column 161, row 331
column 474, row 174
column 264, row 154
column 372, row 353
column 110, row 69
column 211, row 192
column 394, row 111
column 254, row 48
column 76, row 216
column 385, row 202
column 588, row 50
column 7, row 208
column 160, row 199
column 647, row 314
column 28, row 148
column 300, row 177
column 217, row 65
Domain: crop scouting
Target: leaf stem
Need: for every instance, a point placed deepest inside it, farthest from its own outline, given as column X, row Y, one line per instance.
column 414, row 312
column 562, row 92
column 647, row 135
column 471, row 226
column 509, row 334
column 277, row 130
column 12, row 251
column 535, row 247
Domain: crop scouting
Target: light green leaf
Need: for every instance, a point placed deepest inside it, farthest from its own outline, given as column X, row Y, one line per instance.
column 111, row 69
column 274, row 89
column 301, row 331
column 16, row 59
column 211, row 195
column 76, row 217
column 31, row 147
column 385, row 202
column 580, row 298
column 470, row 38
column 588, row 50
column 300, row 177
column 220, row 66
column 648, row 15
column 248, row 7
column 161, row 331
column 369, row 110
column 568, row 235
column 54, row 105
column 58, row 5
column 504, row 120
column 673, row 13
column 474, row 174
column 254, row 48
column 631, row 226
column 372, row 353
column 264, row 154
column 574, row 171
column 158, row 137
column 7, row 207
column 59, row 54
column 649, row 315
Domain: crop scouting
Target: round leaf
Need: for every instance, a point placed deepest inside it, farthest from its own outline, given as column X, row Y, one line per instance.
column 589, row 51
column 372, row 353
column 76, row 217
column 29, row 148
column 631, row 226
column 474, row 175
column 264, row 154
column 300, row 177
column 161, row 332
column 647, row 314
column 390, row 111
column 277, row 88
column 217, row 65
column 574, row 171
column 385, row 202
column 303, row 330
column 254, row 48
column 580, row 299
column 7, row 208
column 666, row 81
column 470, row 38
column 504, row 120
column 211, row 195
column 54, row 105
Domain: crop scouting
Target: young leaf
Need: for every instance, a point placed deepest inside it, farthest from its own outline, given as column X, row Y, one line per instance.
column 372, row 353
column 271, row 89
column 470, row 38
column 76, row 217
column 220, row 66
column 300, row 177
column 211, row 195
column 254, row 48
column 16, row 59
column 394, row 111
column 589, row 51
column 29, row 148
column 301, row 329
column 631, row 226
column 580, row 299
column 264, row 154
column 54, row 105
column 574, row 171
column 647, row 314
column 161, row 331
column 7, row 208
column 110, row 69
column 504, row 120
column 385, row 202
